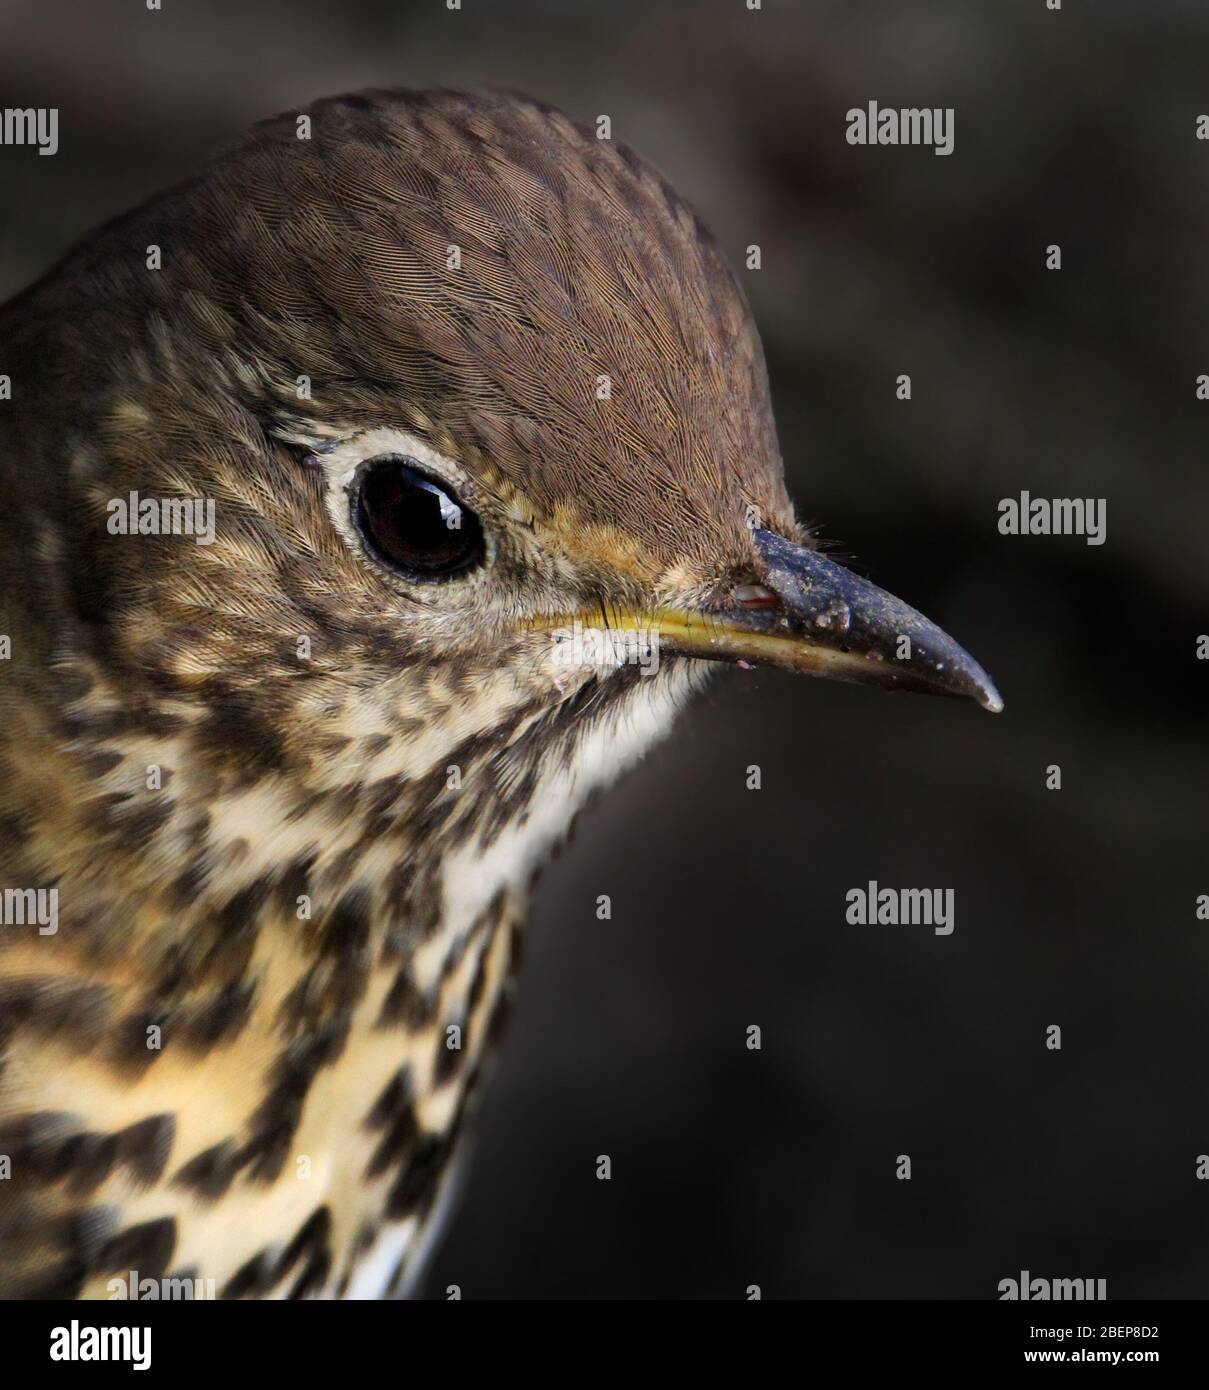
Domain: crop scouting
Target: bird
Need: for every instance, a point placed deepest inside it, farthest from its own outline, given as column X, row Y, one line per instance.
column 315, row 471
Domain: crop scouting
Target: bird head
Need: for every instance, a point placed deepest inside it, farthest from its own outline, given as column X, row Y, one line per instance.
column 463, row 383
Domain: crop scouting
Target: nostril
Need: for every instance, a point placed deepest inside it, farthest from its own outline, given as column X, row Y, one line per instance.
column 754, row 596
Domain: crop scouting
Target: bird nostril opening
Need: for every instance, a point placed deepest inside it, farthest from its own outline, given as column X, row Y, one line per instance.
column 754, row 596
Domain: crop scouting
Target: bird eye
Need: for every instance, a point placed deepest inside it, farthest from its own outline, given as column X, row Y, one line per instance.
column 414, row 524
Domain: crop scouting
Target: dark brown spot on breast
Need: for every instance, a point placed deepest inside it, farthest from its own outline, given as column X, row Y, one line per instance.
column 419, row 1178
column 277, row 1117
column 147, row 1248
column 144, row 1147
column 210, row 1172
column 404, row 1004
column 50, row 1006
column 448, row 1060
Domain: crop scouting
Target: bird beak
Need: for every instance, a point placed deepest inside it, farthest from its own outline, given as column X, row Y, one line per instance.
column 812, row 616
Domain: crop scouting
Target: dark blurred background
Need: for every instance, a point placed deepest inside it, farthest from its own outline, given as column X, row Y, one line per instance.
column 1073, row 907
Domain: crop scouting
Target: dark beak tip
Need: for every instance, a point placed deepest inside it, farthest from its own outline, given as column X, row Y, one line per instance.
column 972, row 681
column 961, row 676
column 975, row 686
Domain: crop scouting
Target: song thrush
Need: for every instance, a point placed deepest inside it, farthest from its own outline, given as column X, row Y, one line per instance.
column 454, row 382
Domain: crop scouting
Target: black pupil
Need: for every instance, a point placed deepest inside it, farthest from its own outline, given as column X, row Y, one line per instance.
column 414, row 524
